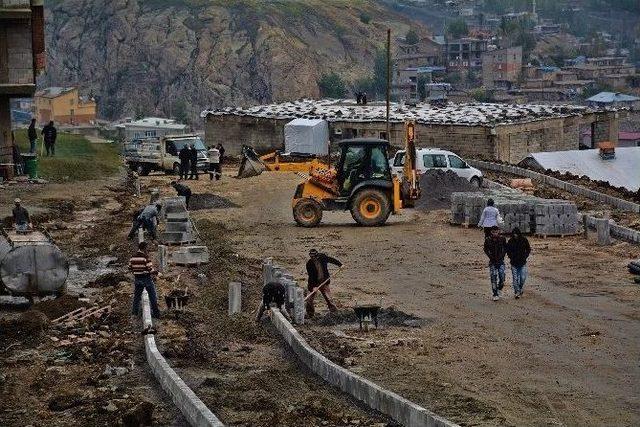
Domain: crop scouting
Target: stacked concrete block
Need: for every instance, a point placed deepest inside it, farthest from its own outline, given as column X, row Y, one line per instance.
column 178, row 227
column 530, row 214
column 556, row 218
column 190, row 255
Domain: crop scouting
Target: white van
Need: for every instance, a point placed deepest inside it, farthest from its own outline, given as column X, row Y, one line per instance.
column 435, row 158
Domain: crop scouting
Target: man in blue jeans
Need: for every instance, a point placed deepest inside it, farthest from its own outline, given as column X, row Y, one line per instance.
column 143, row 272
column 518, row 249
column 495, row 246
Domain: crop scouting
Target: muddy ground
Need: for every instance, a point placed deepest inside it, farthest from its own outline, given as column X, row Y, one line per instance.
column 565, row 354
column 93, row 372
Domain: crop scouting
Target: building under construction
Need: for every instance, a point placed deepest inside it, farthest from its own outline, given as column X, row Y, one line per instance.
column 476, row 130
column 21, row 58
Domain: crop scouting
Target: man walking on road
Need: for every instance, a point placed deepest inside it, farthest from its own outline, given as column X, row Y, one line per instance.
column 518, row 250
column 50, row 134
column 183, row 191
column 193, row 161
column 318, row 272
column 184, row 155
column 32, row 133
column 495, row 248
column 143, row 272
column 490, row 218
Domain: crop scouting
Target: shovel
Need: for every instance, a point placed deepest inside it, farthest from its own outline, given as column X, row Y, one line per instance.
column 317, row 288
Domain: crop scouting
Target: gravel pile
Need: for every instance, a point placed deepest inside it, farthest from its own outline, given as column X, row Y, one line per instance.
column 209, row 201
column 437, row 186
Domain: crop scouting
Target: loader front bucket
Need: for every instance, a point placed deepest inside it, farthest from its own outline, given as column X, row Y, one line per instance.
column 250, row 165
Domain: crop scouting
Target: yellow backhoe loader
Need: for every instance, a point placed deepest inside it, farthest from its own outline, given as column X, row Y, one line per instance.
column 361, row 183
column 252, row 164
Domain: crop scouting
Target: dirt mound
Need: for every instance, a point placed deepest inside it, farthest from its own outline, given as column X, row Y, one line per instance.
column 58, row 307
column 209, row 201
column 29, row 324
column 108, row 279
column 437, row 187
column 386, row 317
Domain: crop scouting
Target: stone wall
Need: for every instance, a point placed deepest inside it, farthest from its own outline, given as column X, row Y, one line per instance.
column 510, row 142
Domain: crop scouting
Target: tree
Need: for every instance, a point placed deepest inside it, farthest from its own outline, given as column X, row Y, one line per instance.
column 365, row 18
column 457, row 28
column 380, row 74
column 332, row 86
column 179, row 111
column 411, row 37
column 422, row 89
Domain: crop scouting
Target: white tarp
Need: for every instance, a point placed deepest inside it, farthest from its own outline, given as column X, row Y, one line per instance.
column 308, row 136
column 623, row 171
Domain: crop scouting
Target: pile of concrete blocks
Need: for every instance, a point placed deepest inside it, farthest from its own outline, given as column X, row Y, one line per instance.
column 178, row 226
column 532, row 215
column 190, row 255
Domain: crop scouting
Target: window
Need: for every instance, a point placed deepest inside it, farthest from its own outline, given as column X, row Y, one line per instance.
column 434, row 161
column 456, row 162
column 379, row 163
column 399, row 159
column 171, row 148
column 149, row 133
column 383, row 135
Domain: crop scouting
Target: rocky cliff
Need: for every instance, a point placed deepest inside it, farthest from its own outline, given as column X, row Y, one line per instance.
column 171, row 56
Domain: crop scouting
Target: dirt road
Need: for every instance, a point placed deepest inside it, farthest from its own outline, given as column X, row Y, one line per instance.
column 565, row 354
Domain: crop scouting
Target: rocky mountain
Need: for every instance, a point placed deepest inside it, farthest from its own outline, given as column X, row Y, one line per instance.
column 176, row 57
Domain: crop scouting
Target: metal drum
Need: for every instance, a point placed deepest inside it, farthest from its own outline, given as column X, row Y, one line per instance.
column 32, row 266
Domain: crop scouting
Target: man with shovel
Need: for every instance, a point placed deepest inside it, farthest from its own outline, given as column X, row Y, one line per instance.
column 318, row 272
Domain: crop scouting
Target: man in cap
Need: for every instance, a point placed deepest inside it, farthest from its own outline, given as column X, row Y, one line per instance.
column 318, row 272
column 21, row 217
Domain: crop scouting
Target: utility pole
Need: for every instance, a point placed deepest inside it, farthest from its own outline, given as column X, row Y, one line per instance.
column 388, row 81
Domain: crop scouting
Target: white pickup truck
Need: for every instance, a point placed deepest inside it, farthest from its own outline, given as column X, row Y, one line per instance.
column 154, row 154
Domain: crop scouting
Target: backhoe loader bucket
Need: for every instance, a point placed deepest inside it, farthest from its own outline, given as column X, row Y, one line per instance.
column 251, row 164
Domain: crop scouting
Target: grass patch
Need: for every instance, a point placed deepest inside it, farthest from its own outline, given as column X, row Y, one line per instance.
column 76, row 158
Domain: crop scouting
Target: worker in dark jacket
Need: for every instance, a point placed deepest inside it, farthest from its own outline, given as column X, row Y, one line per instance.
column 182, row 190
column 495, row 246
column 50, row 134
column 318, row 272
column 273, row 293
column 21, row 217
column 143, row 272
column 518, row 250
column 32, row 133
column 193, row 162
column 184, row 156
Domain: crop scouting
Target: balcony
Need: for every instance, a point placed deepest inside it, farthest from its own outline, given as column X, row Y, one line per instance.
column 15, row 9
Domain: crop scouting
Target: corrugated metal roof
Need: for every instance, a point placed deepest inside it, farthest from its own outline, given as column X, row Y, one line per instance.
column 610, row 97
column 623, row 171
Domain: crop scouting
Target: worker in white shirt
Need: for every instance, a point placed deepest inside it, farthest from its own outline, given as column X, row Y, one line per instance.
column 490, row 218
column 214, row 163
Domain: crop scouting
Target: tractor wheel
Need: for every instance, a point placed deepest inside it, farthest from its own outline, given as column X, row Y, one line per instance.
column 307, row 213
column 370, row 207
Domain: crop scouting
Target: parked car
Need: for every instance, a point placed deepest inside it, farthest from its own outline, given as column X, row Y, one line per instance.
column 435, row 158
column 148, row 154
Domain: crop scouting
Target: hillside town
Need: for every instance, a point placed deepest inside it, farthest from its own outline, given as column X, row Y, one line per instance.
column 320, row 213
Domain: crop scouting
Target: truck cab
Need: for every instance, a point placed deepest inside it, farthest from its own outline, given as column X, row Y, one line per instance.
column 171, row 146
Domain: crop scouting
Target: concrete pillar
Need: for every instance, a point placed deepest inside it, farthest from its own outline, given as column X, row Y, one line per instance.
column 162, row 258
column 235, row 298
column 155, row 195
column 136, row 184
column 585, row 226
column 140, row 235
column 298, row 306
column 6, row 143
column 602, row 227
column 267, row 265
column 202, row 279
